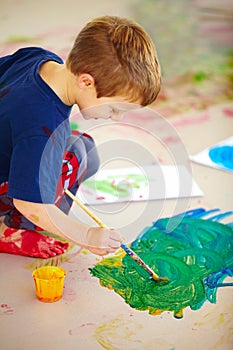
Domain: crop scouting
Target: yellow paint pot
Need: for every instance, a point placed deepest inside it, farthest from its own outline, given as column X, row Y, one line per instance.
column 49, row 283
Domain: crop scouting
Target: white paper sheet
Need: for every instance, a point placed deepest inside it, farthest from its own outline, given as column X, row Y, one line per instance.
column 138, row 184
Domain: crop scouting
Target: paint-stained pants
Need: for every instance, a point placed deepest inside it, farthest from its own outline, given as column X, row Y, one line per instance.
column 80, row 161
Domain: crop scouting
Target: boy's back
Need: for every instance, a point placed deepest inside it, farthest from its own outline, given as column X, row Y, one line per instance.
column 30, row 112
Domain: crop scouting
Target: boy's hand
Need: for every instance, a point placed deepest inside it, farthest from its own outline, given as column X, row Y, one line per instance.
column 101, row 241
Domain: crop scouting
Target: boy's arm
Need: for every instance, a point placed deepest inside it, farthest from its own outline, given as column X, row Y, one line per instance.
column 49, row 217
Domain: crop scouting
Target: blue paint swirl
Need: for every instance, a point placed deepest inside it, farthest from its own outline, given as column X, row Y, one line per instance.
column 222, row 156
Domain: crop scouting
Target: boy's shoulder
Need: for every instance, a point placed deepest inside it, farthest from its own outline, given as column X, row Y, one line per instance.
column 27, row 53
column 25, row 57
column 24, row 63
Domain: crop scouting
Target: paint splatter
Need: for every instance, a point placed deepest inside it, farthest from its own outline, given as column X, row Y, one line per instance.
column 48, row 132
column 6, row 309
column 228, row 112
column 69, row 294
column 83, row 330
column 188, row 121
column 100, row 198
column 196, row 255
column 223, row 156
column 21, row 39
column 4, row 91
column 74, row 125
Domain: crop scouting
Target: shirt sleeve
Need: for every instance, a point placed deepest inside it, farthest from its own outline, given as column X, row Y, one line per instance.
column 36, row 164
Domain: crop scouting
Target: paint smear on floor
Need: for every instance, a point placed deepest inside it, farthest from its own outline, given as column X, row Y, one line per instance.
column 196, row 256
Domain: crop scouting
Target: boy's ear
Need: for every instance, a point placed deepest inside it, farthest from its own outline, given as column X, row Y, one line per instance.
column 85, row 80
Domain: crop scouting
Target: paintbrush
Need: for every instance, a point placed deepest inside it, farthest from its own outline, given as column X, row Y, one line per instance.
column 128, row 250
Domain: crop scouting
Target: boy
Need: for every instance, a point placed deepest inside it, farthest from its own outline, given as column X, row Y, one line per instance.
column 111, row 68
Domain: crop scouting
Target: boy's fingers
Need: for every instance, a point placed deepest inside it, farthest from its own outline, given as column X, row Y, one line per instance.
column 115, row 236
column 114, row 245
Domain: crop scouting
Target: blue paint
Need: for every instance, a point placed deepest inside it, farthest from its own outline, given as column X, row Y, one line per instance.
column 222, row 156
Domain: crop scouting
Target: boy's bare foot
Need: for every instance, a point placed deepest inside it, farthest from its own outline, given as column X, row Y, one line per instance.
column 29, row 243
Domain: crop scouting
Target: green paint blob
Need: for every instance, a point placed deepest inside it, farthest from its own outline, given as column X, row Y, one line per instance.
column 20, row 39
column 116, row 186
column 194, row 251
column 200, row 76
column 74, row 126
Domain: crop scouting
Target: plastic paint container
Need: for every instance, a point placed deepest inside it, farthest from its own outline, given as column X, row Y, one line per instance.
column 49, row 283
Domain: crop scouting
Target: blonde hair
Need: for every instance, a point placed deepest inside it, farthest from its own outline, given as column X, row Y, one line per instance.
column 121, row 58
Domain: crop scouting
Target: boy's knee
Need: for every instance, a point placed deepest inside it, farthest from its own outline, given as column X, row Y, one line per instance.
column 84, row 148
column 93, row 163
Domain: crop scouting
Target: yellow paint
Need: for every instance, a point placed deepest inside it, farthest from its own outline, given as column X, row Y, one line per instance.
column 34, row 218
column 32, row 265
column 115, row 261
column 179, row 314
column 119, row 333
column 155, row 313
column 223, row 341
column 109, row 286
column 49, row 282
column 215, row 319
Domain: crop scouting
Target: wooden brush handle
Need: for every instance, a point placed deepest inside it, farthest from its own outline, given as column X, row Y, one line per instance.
column 84, row 208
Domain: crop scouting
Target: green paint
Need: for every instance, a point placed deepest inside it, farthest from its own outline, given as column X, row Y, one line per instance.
column 111, row 185
column 74, row 126
column 131, row 177
column 20, row 39
column 200, row 76
column 193, row 251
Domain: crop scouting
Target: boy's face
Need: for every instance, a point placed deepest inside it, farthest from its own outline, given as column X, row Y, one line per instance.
column 108, row 108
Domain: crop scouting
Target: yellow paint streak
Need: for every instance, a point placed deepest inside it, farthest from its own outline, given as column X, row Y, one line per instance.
column 109, row 286
column 34, row 218
column 155, row 313
column 215, row 320
column 223, row 342
column 179, row 314
column 115, row 261
column 115, row 334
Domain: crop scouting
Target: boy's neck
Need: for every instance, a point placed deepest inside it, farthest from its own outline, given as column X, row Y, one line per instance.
column 58, row 78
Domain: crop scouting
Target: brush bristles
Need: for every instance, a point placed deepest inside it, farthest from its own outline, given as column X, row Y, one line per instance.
column 160, row 279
